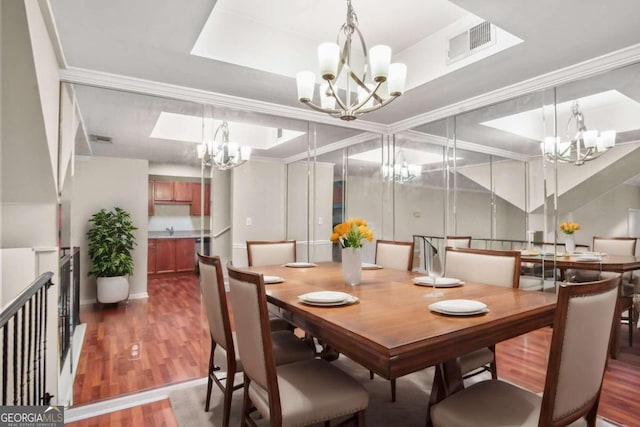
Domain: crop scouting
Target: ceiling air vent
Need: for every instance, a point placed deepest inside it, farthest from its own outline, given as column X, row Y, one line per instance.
column 470, row 41
column 102, row 139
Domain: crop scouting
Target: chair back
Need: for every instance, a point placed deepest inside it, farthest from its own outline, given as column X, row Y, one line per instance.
column 581, row 331
column 458, row 241
column 396, row 255
column 616, row 246
column 253, row 332
column 270, row 252
column 215, row 301
column 500, row 268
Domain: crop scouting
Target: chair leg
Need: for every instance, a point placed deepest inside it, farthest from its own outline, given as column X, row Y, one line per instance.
column 631, row 326
column 361, row 419
column 493, row 365
column 228, row 395
column 246, row 407
column 370, row 375
column 207, row 402
column 393, row 390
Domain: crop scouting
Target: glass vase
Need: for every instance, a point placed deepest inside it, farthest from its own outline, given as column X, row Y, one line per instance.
column 570, row 243
column 352, row 265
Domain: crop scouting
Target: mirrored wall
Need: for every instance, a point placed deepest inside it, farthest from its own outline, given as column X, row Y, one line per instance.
column 490, row 173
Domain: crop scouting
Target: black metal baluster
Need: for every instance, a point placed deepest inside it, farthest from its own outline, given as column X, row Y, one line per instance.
column 45, row 395
column 22, row 358
column 5, row 357
column 15, row 359
column 30, row 327
column 36, row 351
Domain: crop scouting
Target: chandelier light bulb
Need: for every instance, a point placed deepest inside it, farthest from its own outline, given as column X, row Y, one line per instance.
column 379, row 59
column 397, row 78
column 328, row 58
column 306, row 82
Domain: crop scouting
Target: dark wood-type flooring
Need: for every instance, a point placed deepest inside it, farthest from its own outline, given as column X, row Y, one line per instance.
column 170, row 330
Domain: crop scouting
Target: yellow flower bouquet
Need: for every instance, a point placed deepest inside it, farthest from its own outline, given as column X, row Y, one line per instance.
column 569, row 227
column 351, row 233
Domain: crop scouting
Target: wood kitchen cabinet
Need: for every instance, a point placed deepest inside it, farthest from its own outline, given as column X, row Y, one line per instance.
column 171, row 255
column 172, row 191
column 165, row 255
column 185, row 255
column 151, row 256
column 151, row 201
column 196, row 208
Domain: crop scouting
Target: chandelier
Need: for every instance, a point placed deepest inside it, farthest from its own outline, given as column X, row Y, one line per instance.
column 225, row 155
column 334, row 58
column 583, row 146
column 401, row 171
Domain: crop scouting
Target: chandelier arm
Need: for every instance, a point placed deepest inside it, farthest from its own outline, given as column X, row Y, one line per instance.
column 378, row 106
column 336, row 96
column 335, row 112
column 371, row 94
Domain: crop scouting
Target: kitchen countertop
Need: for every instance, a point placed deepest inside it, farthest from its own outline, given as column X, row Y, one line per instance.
column 178, row 234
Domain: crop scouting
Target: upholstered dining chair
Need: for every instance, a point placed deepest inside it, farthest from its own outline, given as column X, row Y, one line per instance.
column 581, row 332
column 399, row 256
column 615, row 246
column 458, row 241
column 270, row 252
column 286, row 346
column 296, row 394
column 394, row 254
column 493, row 267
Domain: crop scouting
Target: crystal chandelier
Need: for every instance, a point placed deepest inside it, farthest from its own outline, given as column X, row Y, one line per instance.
column 401, row 171
column 334, row 58
column 581, row 147
column 224, row 155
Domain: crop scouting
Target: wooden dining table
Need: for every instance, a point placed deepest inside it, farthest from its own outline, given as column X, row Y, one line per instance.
column 390, row 329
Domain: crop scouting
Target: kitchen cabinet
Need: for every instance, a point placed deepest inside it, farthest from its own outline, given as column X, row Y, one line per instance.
column 151, row 202
column 151, row 256
column 185, row 255
column 169, row 255
column 165, row 255
column 172, row 191
column 196, row 207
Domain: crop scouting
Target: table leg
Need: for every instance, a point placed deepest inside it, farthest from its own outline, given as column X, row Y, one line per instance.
column 447, row 380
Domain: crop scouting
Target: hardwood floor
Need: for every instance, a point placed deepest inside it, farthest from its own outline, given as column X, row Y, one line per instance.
column 171, row 330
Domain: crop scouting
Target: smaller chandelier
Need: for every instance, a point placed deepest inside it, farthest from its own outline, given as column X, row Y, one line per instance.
column 584, row 146
column 401, row 171
column 224, row 155
column 334, row 58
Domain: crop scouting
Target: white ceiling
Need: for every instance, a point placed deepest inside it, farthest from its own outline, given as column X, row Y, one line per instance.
column 152, row 40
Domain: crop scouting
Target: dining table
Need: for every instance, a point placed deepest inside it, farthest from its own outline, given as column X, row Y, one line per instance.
column 388, row 327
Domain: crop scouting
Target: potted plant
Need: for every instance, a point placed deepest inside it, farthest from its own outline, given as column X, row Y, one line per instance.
column 111, row 241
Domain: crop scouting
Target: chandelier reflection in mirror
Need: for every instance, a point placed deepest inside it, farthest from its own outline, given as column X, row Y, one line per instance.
column 334, row 58
column 402, row 171
column 580, row 147
column 223, row 155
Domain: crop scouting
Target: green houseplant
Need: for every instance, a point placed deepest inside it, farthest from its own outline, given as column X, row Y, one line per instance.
column 111, row 241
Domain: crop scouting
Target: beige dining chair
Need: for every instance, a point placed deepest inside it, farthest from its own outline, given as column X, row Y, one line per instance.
column 577, row 361
column 614, row 246
column 492, row 267
column 286, row 346
column 394, row 254
column 270, row 252
column 399, row 256
column 458, row 241
column 296, row 394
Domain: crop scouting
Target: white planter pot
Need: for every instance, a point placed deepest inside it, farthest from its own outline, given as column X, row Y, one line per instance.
column 352, row 265
column 112, row 289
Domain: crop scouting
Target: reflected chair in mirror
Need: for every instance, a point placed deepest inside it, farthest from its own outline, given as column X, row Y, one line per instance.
column 458, row 241
column 577, row 360
column 399, row 256
column 498, row 268
column 615, row 246
column 272, row 252
column 296, row 394
column 287, row 347
column 265, row 252
column 394, row 254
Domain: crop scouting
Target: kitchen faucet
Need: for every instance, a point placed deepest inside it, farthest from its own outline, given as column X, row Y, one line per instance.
column 170, row 230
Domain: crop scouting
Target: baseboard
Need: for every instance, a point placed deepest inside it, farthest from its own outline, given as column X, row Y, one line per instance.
column 139, row 295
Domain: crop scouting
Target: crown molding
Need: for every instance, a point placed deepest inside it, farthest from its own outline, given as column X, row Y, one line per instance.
column 590, row 67
column 357, row 139
column 149, row 87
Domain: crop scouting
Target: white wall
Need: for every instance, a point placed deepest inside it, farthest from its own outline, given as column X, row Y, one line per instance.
column 102, row 182
column 258, row 195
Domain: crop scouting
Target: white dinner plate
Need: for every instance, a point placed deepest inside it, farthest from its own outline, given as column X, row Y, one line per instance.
column 272, row 279
column 441, row 282
column 369, row 266
column 300, row 264
column 459, row 307
column 324, row 297
column 588, row 258
column 347, row 301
